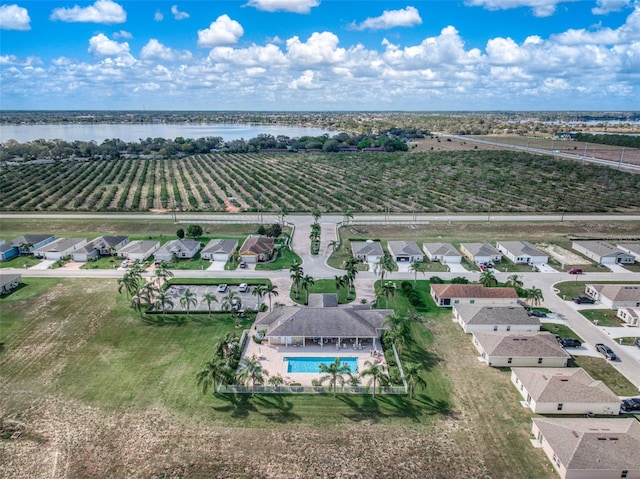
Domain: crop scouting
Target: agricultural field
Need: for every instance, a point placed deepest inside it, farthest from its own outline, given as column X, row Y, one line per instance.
column 98, row 392
column 437, row 181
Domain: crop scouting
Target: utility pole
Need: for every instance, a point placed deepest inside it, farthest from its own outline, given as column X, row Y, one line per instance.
column 621, row 157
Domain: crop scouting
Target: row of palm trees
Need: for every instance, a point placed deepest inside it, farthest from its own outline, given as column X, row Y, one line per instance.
column 300, row 280
column 533, row 295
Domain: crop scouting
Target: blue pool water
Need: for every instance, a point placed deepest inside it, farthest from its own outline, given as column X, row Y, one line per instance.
column 312, row 364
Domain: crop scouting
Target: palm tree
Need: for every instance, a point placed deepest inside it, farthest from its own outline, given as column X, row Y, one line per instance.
column 209, row 298
column 347, row 216
column 340, row 282
column 148, row 292
column 487, row 278
column 377, row 371
column 515, row 282
column 316, row 214
column 535, row 296
column 188, row 299
column 259, row 291
column 413, row 378
column 296, row 275
column 163, row 300
column 250, row 371
column 137, row 303
column 231, row 302
column 306, row 282
column 383, row 266
column 417, row 267
column 399, row 332
column 270, row 291
column 284, row 212
column 214, row 372
column 334, row 244
column 388, row 289
column 334, row 373
column 351, row 268
column 162, row 272
column 128, row 283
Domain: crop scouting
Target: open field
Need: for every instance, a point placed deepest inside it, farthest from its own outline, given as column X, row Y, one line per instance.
column 438, row 181
column 102, row 394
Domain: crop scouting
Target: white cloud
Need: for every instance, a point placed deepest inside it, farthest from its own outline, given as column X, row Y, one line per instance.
column 102, row 11
column 14, row 60
column 224, row 31
column 14, row 17
column 320, row 48
column 177, row 14
column 100, row 45
column 390, row 19
column 252, row 56
column 154, row 50
column 606, row 6
column 305, row 82
column 294, row 6
column 541, row 8
column 122, row 34
column 158, row 16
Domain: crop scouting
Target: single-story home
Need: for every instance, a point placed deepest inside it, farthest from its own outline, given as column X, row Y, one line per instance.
column 177, row 248
column 61, row 248
column 24, row 245
column 109, row 245
column 446, row 295
column 9, row 282
column 564, row 391
column 442, row 252
column 101, row 246
column 219, row 250
column 367, row 251
column 593, row 448
column 631, row 316
column 480, row 253
column 139, row 250
column 494, row 317
column 615, row 296
column 522, row 252
column 632, row 249
column 602, row 252
column 502, row 350
column 256, row 249
column 405, row 251
column 328, row 326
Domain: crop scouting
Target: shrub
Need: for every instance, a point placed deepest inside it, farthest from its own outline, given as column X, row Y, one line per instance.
column 436, row 280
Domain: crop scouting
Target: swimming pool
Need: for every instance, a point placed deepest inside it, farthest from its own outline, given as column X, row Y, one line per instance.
column 312, row 364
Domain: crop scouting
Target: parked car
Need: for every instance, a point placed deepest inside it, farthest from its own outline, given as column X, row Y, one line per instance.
column 243, row 288
column 222, row 288
column 537, row 313
column 569, row 342
column 631, row 404
column 638, row 342
column 243, row 265
column 124, row 264
column 583, row 300
column 606, row 351
column 575, row 271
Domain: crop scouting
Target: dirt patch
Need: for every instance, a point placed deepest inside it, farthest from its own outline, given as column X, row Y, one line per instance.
column 159, row 210
column 563, row 255
column 230, row 207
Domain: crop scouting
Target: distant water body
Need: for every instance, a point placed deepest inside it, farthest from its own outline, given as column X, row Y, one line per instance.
column 131, row 132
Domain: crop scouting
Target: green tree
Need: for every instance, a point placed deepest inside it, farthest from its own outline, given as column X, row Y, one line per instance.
column 276, row 380
column 209, row 298
column 251, row 372
column 535, row 296
column 194, row 231
column 129, row 283
column 296, row 276
column 334, row 373
column 316, row 214
column 515, row 282
column 306, row 282
column 259, row 291
column 383, row 266
column 418, row 267
column 388, row 289
column 270, row 291
column 163, row 300
column 214, row 372
column 340, row 282
column 412, row 376
column 487, row 278
column 378, row 373
column 351, row 268
column 188, row 299
column 180, row 233
column 162, row 272
column 347, row 216
column 333, row 244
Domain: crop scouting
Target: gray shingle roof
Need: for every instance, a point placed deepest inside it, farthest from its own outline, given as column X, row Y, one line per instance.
column 522, row 345
column 618, row 292
column 409, row 248
column 9, row 278
column 441, row 249
column 522, row 248
column 472, row 291
column 498, row 315
column 178, row 245
column 61, row 244
column 600, row 248
column 220, row 246
column 136, row 247
column 30, row 238
column 366, row 248
column 593, row 443
column 481, row 249
column 565, row 385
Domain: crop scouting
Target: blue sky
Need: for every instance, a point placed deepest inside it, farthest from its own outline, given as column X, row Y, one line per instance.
column 320, row 55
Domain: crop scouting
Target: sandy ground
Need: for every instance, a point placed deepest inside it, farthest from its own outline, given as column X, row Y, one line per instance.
column 563, row 255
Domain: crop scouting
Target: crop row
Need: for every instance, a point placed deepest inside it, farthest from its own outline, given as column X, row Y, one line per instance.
column 464, row 181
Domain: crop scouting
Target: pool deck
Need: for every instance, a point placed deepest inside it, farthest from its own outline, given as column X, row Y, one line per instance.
column 272, row 358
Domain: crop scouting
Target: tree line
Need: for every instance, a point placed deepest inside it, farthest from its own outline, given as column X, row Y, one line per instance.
column 628, row 141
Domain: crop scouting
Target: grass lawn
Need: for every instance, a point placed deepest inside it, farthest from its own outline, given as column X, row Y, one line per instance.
column 627, row 341
column 321, row 286
column 560, row 330
column 569, row 289
column 20, row 262
column 601, row 370
column 604, row 317
column 286, row 259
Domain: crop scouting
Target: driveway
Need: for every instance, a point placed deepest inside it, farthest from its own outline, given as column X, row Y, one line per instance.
column 616, row 268
column 44, row 264
column 545, row 268
column 456, row 268
column 216, row 266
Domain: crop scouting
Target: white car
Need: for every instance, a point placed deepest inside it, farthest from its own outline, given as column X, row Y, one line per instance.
column 243, row 288
column 222, row 288
column 124, row 264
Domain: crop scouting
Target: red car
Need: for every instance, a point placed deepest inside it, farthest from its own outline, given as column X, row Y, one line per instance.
column 575, row 271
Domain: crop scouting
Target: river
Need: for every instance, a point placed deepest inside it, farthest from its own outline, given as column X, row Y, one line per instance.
column 131, row 132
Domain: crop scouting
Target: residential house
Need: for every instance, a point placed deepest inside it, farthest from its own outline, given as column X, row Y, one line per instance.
column 522, row 252
column 139, row 250
column 109, row 245
column 9, row 282
column 446, row 295
column 61, row 248
column 494, row 317
column 480, row 253
column 367, row 251
column 24, row 245
column 615, row 296
column 88, row 252
column 330, row 327
column 405, row 251
column 564, row 391
column 602, row 252
column 442, row 252
column 177, row 249
column 632, row 249
column 593, row 448
column 256, row 249
column 631, row 316
column 539, row 349
column 101, row 246
column 219, row 250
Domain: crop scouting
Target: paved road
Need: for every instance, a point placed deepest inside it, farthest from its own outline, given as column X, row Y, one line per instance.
column 316, row 266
